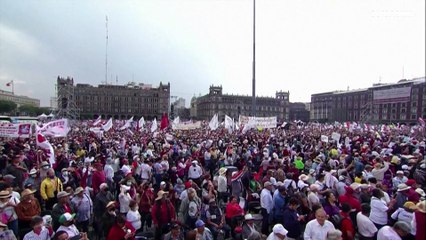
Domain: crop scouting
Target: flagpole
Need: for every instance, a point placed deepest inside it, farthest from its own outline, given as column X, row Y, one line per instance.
column 13, row 88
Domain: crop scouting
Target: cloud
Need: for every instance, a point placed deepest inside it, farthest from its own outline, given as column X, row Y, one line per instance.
column 11, row 38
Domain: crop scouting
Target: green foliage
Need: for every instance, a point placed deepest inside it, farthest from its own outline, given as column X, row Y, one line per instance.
column 7, row 106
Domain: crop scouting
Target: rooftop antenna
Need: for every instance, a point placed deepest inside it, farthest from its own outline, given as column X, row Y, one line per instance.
column 106, row 49
column 403, row 70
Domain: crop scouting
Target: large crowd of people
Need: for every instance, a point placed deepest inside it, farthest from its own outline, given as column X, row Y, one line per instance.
column 283, row 183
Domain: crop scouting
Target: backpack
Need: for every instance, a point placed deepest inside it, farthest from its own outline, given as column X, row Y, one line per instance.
column 337, row 220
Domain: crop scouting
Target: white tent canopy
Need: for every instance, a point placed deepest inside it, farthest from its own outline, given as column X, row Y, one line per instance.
column 51, row 115
column 42, row 116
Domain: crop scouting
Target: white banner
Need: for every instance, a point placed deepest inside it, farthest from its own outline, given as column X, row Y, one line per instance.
column 187, row 125
column 335, row 136
column 260, row 122
column 12, row 130
column 57, row 128
column 324, row 138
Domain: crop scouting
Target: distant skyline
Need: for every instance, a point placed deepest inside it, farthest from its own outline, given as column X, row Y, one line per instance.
column 303, row 47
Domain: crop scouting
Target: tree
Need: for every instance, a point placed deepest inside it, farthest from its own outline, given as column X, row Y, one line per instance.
column 27, row 109
column 7, row 106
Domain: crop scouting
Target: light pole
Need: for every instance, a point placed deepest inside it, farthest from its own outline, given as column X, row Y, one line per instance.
column 253, row 107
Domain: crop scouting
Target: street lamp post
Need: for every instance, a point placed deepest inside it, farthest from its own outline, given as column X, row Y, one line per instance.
column 253, row 107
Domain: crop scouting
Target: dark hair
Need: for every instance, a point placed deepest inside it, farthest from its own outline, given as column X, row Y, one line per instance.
column 372, row 180
column 120, row 219
column 328, row 195
column 377, row 193
column 132, row 203
column 36, row 220
column 365, row 208
column 293, row 201
column 58, row 234
column 346, row 208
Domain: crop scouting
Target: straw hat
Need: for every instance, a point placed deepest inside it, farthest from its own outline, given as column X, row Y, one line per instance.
column 78, row 190
column 27, row 192
column 303, row 177
column 62, row 194
column 421, row 192
column 110, row 204
column 5, row 194
column 267, row 184
column 421, row 206
column 33, row 171
column 160, row 194
column 222, row 171
column 248, row 217
column 410, row 205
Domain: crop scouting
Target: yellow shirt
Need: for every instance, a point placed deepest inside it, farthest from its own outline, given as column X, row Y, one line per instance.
column 49, row 187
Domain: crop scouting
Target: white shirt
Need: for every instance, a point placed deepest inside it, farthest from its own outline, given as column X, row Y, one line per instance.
column 387, row 233
column 272, row 237
column 71, row 230
column 195, row 172
column 378, row 212
column 287, row 183
column 301, row 184
column 402, row 215
column 44, row 235
column 145, row 171
column 222, row 184
column 313, row 199
column 124, row 199
column 109, row 172
column 266, row 200
column 365, row 226
column 314, row 231
column 134, row 218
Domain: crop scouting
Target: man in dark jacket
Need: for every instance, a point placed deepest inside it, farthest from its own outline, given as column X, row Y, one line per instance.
column 63, row 206
column 292, row 220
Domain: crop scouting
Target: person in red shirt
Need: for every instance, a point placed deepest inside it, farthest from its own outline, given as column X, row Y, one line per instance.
column 145, row 204
column 98, row 178
column 163, row 212
column 348, row 197
column 346, row 224
column 233, row 209
column 121, row 230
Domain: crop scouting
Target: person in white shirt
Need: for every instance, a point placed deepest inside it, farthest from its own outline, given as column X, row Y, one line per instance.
column 366, row 227
column 379, row 171
column 67, row 225
column 39, row 230
column 405, row 214
column 397, row 232
column 109, row 171
column 379, row 209
column 313, row 198
column 133, row 216
column 398, row 179
column 146, row 170
column 124, row 199
column 195, row 172
column 266, row 203
column 318, row 228
column 222, row 184
column 278, row 233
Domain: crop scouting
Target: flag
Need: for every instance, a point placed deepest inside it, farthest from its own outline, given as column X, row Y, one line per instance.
column 422, row 121
column 97, row 121
column 46, row 146
column 229, row 123
column 164, row 122
column 9, row 83
column 154, row 125
column 107, row 126
column 127, row 124
column 141, row 124
column 237, row 126
column 57, row 128
column 250, row 124
column 214, row 123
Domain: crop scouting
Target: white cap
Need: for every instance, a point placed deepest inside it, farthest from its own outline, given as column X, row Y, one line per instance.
column 279, row 229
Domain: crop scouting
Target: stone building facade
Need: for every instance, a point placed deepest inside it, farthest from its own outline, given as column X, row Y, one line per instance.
column 234, row 105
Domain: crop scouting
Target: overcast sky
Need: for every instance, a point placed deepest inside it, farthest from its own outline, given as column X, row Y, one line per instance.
column 302, row 46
